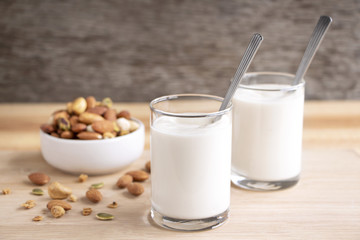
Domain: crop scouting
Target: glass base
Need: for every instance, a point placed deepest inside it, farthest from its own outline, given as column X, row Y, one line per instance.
column 257, row 185
column 189, row 225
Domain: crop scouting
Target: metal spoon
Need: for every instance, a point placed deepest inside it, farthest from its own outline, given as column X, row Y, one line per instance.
column 243, row 66
column 317, row 36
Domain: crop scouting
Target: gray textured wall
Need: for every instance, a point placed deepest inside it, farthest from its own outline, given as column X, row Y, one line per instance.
column 135, row 50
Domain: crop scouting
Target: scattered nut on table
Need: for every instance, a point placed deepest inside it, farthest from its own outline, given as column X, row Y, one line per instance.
column 58, row 191
column 86, row 211
column 57, row 211
column 29, row 204
column 6, row 191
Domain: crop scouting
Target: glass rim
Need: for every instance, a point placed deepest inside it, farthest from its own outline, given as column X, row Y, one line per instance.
column 283, row 74
column 189, row 115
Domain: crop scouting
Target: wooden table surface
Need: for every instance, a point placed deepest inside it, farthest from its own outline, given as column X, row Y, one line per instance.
column 324, row 205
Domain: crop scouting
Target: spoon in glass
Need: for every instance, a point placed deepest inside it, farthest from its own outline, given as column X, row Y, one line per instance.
column 315, row 40
column 242, row 68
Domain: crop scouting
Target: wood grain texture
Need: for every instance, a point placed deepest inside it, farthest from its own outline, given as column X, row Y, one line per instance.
column 333, row 124
column 136, row 50
column 324, row 205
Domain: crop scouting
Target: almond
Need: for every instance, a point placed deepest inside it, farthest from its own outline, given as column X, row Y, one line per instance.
column 135, row 189
column 148, row 166
column 61, row 203
column 55, row 135
column 39, row 178
column 124, row 181
column 94, row 195
column 79, row 105
column 67, row 135
column 138, row 175
column 74, row 120
column 98, row 110
column 110, row 115
column 124, row 114
column 89, row 118
column 89, row 136
column 47, row 128
column 78, row 127
column 103, row 126
column 91, row 102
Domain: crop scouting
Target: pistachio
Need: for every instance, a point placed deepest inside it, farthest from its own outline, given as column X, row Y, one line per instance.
column 90, row 102
column 107, row 102
column 79, row 105
column 37, row 191
column 104, row 216
column 97, row 185
column 63, row 124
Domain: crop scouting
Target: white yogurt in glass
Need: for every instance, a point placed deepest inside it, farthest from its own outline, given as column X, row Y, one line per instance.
column 190, row 168
column 267, row 132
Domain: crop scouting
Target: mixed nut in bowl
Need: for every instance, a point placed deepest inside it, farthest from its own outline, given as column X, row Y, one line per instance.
column 91, row 137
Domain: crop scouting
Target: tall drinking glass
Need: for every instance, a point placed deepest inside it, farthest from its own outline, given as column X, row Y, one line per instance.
column 267, row 131
column 190, row 161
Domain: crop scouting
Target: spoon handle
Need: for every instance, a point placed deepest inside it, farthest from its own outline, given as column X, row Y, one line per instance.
column 317, row 36
column 243, row 66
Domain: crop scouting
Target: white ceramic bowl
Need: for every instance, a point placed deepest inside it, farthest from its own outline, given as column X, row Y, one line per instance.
column 93, row 156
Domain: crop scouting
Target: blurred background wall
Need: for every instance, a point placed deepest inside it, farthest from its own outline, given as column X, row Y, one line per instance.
column 136, row 50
